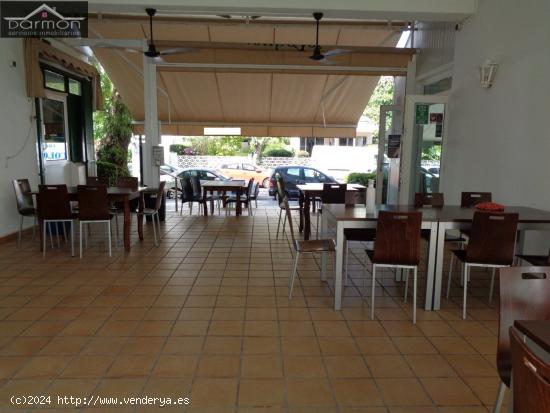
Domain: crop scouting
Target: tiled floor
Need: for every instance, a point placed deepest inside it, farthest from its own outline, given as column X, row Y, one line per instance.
column 206, row 316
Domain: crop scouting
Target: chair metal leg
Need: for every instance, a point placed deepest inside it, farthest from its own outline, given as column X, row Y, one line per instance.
column 109, row 238
column 449, row 276
column 406, row 285
column 44, row 239
column 293, row 276
column 491, row 288
column 51, row 236
column 116, row 230
column 345, row 262
column 72, row 238
column 317, row 226
column 34, row 226
column 373, row 285
column 64, row 231
column 500, row 397
column 415, row 285
column 154, row 229
column 80, row 236
column 20, row 231
column 466, row 271
column 279, row 222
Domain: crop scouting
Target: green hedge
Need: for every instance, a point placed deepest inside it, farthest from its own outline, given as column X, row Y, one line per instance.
column 361, row 178
column 181, row 149
column 110, row 171
column 278, row 152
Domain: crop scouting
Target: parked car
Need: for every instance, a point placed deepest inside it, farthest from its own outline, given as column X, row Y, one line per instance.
column 168, row 174
column 294, row 175
column 204, row 174
column 245, row 171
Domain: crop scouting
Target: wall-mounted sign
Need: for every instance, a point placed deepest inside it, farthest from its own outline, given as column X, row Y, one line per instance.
column 422, row 114
column 394, row 144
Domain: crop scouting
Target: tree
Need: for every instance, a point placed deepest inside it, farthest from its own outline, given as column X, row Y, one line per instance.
column 382, row 95
column 112, row 132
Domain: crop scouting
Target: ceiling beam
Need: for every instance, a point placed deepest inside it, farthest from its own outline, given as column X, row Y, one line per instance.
column 423, row 10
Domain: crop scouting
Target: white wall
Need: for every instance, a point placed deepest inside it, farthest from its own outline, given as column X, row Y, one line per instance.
column 16, row 126
column 499, row 139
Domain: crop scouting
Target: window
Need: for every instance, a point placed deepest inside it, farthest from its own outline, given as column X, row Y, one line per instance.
column 55, row 137
column 314, row 176
column 345, row 141
column 248, row 167
column 54, row 80
column 293, row 173
column 232, row 166
column 75, row 87
column 206, row 175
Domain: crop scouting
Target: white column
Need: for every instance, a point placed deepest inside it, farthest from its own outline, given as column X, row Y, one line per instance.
column 151, row 176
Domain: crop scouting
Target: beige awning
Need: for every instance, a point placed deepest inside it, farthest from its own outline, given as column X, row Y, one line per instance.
column 231, row 85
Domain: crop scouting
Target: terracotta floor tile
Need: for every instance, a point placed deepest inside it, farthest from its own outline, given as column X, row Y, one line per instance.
column 304, row 366
column 262, row 366
column 261, row 345
column 414, row 345
column 346, row 366
column 261, row 392
column 432, row 365
column 88, row 366
column 356, row 392
column 338, row 346
column 65, row 345
column 131, row 366
column 403, row 392
column 306, row 391
column 218, row 366
column 388, row 366
column 183, row 345
column 449, row 392
column 42, row 367
column 104, row 345
column 175, row 366
column 471, row 366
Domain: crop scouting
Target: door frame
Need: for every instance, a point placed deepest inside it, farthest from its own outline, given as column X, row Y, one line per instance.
column 384, row 109
column 407, row 172
column 60, row 97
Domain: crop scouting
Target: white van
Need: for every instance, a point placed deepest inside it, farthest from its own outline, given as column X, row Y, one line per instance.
column 340, row 161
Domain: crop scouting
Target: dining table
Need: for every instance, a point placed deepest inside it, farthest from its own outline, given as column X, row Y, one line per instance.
column 438, row 220
column 237, row 186
column 313, row 190
column 123, row 196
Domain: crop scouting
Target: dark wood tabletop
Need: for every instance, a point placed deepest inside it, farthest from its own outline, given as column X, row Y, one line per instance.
column 223, row 184
column 536, row 330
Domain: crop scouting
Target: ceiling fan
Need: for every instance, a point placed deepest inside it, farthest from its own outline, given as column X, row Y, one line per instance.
column 152, row 50
column 318, row 55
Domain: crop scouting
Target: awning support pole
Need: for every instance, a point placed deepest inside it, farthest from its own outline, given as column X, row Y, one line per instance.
column 152, row 135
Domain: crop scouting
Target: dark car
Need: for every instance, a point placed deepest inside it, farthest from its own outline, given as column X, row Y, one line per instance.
column 294, row 175
column 204, row 174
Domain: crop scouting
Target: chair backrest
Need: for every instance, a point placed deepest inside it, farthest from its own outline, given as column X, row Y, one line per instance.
column 281, row 191
column 398, row 238
column 524, row 295
column 53, row 202
column 255, row 190
column 434, row 199
column 284, row 204
column 249, row 188
column 97, row 180
column 334, row 193
column 186, row 189
column 160, row 195
column 93, row 203
column 492, row 238
column 531, row 378
column 23, row 194
column 131, row 182
column 196, row 185
column 470, row 199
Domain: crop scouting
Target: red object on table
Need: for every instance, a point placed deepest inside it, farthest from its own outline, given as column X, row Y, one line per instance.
column 490, row 206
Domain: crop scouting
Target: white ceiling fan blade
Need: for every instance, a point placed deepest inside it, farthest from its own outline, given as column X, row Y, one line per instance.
column 177, row 50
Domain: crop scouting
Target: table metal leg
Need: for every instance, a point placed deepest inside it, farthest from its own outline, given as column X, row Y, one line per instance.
column 338, row 270
column 238, row 206
column 430, row 271
column 128, row 224
column 324, row 255
column 438, row 268
column 307, row 219
column 301, row 204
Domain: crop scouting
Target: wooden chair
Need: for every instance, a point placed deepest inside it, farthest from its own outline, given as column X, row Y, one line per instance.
column 491, row 245
column 245, row 198
column 93, row 208
column 332, row 194
column 423, row 199
column 255, row 192
column 154, row 212
column 524, row 293
column 25, row 205
column 282, row 195
column 303, row 247
column 397, row 245
column 531, row 378
column 54, row 207
column 471, row 199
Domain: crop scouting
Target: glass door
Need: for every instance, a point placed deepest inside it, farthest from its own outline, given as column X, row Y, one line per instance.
column 53, row 146
column 424, row 132
column 389, row 137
